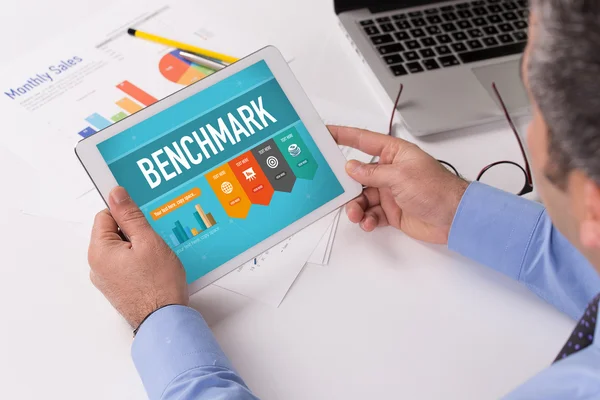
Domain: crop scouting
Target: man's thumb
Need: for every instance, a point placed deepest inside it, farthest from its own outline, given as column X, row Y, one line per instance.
column 127, row 214
column 373, row 175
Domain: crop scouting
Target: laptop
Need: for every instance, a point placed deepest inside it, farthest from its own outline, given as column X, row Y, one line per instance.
column 446, row 54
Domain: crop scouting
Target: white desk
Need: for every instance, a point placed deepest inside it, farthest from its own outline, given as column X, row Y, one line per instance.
column 389, row 318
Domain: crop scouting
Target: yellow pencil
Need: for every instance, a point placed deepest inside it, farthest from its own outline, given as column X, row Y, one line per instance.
column 182, row 46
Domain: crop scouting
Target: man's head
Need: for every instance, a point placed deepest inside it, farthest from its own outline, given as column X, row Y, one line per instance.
column 561, row 70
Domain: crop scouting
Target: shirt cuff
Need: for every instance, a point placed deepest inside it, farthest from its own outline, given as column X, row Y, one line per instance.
column 494, row 228
column 171, row 341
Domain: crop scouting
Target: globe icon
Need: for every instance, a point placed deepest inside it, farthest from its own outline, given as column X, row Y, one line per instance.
column 226, row 187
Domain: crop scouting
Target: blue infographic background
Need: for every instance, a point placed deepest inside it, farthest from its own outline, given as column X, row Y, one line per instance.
column 223, row 192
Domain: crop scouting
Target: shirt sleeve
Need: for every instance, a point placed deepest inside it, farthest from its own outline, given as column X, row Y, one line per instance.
column 177, row 357
column 516, row 237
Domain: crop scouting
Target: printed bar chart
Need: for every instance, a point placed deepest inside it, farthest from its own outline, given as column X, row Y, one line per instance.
column 137, row 93
column 98, row 121
column 129, row 105
column 119, row 116
column 87, row 132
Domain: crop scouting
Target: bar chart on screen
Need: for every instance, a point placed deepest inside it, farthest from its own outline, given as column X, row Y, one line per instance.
column 195, row 224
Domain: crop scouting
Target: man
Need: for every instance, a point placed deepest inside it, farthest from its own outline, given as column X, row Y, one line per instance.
column 546, row 249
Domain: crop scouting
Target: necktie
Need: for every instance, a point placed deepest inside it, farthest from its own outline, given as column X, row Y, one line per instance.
column 583, row 334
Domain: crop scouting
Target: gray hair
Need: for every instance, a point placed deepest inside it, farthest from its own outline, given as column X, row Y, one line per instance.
column 564, row 78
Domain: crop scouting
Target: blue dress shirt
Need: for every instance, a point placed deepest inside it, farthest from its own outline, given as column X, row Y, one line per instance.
column 177, row 356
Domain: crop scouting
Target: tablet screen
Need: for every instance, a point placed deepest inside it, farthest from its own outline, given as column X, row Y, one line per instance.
column 222, row 170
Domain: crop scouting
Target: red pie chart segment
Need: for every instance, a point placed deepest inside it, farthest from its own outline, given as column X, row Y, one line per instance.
column 180, row 70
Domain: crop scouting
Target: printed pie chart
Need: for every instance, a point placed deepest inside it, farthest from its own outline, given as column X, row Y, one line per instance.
column 179, row 70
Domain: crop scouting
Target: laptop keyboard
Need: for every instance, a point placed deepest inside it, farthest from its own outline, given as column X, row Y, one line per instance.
column 441, row 37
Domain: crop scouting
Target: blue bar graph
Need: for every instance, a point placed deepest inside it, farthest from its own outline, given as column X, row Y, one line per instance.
column 87, row 132
column 174, row 239
column 189, row 232
column 98, row 121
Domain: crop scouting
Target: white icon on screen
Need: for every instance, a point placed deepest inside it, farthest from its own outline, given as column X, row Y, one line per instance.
column 272, row 162
column 294, row 150
column 249, row 174
column 226, row 187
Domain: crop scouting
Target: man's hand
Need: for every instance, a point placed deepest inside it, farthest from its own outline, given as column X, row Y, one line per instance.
column 138, row 276
column 407, row 189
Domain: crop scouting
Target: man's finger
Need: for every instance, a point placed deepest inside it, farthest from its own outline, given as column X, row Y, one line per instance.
column 366, row 141
column 105, row 227
column 374, row 217
column 127, row 214
column 373, row 175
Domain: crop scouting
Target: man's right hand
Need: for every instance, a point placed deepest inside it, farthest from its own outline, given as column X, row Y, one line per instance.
column 407, row 188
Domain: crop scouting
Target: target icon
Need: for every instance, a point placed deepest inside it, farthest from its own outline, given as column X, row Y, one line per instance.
column 272, row 162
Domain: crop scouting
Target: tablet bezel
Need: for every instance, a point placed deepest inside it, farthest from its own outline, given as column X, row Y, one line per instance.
column 100, row 174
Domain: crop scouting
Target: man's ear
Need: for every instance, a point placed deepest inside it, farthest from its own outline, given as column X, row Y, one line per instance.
column 590, row 224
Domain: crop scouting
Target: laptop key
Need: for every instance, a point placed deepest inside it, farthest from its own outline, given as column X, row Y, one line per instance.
column 524, row 14
column 462, row 6
column 478, row 3
column 414, row 67
column 398, row 70
column 418, row 22
column 479, row 21
column 381, row 20
column 411, row 56
column 367, row 22
column 449, row 16
column 520, row 36
column 490, row 41
column 464, row 14
column 371, row 30
column 522, row 4
column 479, row 11
column 494, row 19
column 388, row 27
column 434, row 19
column 474, row 44
column 431, row 11
column 448, row 61
column 433, row 30
column 520, row 24
column 390, row 48
column 428, row 42
column 506, row 27
column 494, row 9
column 402, row 35
column 427, row 53
column 509, row 5
column 403, row 25
column 459, row 36
column 510, row 16
column 475, row 33
column 448, row 27
column 490, row 30
column 415, row 14
column 443, row 50
column 459, row 47
column 444, row 39
column 464, row 25
column 393, row 59
column 412, row 44
column 398, row 17
column 382, row 39
column 447, row 8
column 430, row 64
column 492, row 52
column 417, row 33
column 505, row 38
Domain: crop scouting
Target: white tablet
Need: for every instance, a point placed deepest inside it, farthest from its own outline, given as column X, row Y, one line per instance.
column 225, row 168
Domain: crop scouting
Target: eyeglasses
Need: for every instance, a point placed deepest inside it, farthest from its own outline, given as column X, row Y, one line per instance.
column 518, row 174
